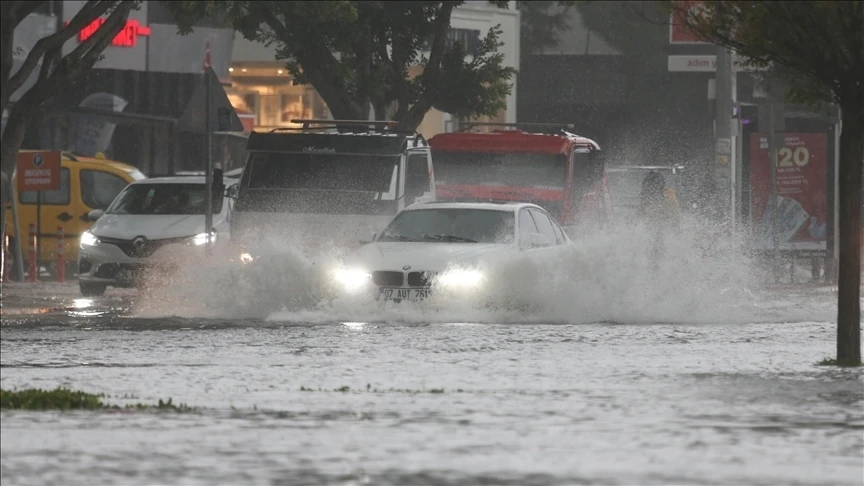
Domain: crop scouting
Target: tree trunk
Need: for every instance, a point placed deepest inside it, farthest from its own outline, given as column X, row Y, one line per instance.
column 849, row 281
column 13, row 136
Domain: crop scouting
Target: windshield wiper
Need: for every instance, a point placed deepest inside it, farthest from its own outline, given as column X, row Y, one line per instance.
column 398, row 238
column 451, row 238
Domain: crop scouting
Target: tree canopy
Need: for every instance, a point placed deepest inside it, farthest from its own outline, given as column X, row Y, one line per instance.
column 818, row 49
column 357, row 54
column 54, row 70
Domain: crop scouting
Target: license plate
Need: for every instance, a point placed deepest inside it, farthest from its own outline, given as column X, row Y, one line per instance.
column 404, row 294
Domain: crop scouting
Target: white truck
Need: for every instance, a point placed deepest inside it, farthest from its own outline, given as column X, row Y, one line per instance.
column 315, row 186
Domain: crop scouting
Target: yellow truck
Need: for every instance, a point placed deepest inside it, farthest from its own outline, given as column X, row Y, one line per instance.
column 86, row 183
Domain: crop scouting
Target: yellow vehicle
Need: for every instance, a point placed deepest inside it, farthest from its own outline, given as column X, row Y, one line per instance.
column 86, row 183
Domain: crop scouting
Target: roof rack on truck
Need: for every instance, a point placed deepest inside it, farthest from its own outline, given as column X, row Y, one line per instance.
column 365, row 126
column 544, row 127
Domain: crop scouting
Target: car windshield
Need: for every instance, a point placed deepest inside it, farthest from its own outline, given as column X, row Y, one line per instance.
column 158, row 198
column 323, row 172
column 449, row 225
column 517, row 170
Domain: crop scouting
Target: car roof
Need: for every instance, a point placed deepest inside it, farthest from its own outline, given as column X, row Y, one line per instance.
column 510, row 206
column 72, row 158
column 181, row 180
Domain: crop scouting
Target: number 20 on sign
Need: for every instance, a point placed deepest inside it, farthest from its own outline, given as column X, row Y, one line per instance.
column 38, row 170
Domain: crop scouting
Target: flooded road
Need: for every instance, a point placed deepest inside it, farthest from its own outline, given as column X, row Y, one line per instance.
column 293, row 401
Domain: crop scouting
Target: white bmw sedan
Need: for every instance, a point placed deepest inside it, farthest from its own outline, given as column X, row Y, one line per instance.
column 432, row 248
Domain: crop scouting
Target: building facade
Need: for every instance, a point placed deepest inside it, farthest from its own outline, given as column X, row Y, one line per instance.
column 263, row 94
column 146, row 77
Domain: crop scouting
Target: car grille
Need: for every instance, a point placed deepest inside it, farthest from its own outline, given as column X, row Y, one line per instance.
column 388, row 279
column 113, row 270
column 398, row 279
column 144, row 250
column 421, row 279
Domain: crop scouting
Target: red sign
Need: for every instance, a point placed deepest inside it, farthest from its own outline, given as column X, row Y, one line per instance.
column 128, row 37
column 678, row 33
column 38, row 170
column 802, row 167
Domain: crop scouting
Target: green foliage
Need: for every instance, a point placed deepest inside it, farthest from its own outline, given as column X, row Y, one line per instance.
column 818, row 46
column 541, row 22
column 841, row 364
column 66, row 399
column 58, row 399
column 357, row 53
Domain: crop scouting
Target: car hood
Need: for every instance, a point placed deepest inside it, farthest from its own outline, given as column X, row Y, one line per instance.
column 424, row 256
column 152, row 226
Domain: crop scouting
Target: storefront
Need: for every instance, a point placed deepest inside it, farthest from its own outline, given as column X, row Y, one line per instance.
column 147, row 77
column 264, row 96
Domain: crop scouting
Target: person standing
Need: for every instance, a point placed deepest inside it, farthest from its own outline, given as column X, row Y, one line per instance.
column 660, row 211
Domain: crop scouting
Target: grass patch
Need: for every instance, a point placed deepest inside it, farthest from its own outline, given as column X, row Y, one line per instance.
column 66, row 399
column 841, row 364
column 346, row 389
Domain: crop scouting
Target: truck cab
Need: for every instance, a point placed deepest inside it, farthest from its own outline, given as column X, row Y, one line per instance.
column 546, row 165
column 314, row 187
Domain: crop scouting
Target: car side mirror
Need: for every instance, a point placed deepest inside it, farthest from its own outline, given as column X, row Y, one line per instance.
column 232, row 191
column 535, row 240
column 371, row 238
column 95, row 214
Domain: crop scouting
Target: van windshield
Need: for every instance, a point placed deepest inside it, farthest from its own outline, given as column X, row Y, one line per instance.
column 508, row 169
column 164, row 199
column 323, row 172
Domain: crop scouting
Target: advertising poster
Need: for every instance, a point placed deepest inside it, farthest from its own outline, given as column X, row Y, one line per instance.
column 802, row 168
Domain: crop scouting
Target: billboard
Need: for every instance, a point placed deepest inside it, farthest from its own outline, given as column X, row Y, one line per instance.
column 678, row 34
column 802, row 186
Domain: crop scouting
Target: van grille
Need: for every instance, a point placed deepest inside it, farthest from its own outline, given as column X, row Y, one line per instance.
column 388, row 279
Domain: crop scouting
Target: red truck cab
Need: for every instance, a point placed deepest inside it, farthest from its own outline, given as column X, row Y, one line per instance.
column 556, row 170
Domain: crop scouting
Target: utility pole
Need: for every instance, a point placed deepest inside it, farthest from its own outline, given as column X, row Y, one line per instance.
column 772, row 155
column 208, row 137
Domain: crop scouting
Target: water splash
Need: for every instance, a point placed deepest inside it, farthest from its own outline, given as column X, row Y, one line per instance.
column 605, row 277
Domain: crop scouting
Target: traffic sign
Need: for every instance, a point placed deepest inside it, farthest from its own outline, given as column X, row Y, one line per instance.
column 38, row 170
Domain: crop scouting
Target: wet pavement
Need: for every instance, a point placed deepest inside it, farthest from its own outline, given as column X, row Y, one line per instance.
column 425, row 401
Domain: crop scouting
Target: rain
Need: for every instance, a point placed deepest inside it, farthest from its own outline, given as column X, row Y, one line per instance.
column 505, row 243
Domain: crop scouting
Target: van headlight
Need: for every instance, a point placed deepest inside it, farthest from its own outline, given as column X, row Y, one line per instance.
column 352, row 279
column 88, row 239
column 204, row 238
column 461, row 278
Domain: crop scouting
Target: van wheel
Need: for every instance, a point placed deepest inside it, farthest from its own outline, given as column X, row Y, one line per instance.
column 92, row 289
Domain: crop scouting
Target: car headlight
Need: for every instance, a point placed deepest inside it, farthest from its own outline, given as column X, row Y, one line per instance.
column 461, row 278
column 88, row 239
column 204, row 238
column 352, row 279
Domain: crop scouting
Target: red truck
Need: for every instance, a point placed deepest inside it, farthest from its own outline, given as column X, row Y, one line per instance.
column 552, row 168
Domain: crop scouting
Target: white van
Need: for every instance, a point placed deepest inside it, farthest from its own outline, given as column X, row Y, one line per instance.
column 310, row 189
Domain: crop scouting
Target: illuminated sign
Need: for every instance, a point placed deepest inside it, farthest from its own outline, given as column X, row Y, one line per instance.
column 128, row 37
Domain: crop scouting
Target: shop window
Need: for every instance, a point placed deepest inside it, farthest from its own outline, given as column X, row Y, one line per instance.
column 294, row 107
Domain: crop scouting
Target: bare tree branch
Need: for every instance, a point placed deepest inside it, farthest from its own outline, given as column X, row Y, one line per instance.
column 90, row 12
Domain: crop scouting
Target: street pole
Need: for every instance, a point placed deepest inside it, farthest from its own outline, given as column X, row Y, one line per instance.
column 19, row 252
column 723, row 127
column 772, row 154
column 208, row 136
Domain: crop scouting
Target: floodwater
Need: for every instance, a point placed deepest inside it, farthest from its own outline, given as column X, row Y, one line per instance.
column 656, row 390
